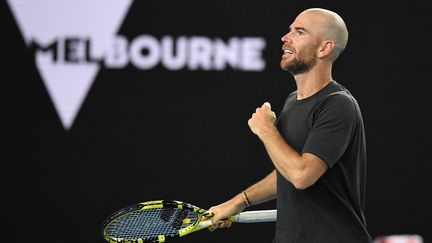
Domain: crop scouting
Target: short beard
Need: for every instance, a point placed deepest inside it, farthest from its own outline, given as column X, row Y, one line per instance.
column 300, row 65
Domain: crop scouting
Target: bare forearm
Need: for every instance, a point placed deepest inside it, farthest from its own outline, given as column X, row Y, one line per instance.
column 286, row 160
column 262, row 191
column 259, row 192
column 302, row 170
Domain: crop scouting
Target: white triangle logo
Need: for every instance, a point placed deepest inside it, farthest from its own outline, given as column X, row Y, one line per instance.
column 67, row 27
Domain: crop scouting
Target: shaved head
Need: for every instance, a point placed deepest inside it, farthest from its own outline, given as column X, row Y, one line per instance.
column 329, row 26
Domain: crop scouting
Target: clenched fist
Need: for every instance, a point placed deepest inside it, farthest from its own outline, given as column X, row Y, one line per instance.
column 262, row 122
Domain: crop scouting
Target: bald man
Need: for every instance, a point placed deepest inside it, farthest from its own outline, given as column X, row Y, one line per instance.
column 317, row 144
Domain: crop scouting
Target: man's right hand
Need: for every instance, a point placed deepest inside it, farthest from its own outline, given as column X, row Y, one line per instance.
column 222, row 211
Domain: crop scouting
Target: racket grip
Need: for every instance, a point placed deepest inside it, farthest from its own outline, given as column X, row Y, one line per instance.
column 205, row 223
column 255, row 216
column 208, row 223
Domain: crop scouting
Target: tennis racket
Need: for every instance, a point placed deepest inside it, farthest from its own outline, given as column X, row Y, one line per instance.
column 161, row 220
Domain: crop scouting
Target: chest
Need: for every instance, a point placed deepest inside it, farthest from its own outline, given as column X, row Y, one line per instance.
column 294, row 124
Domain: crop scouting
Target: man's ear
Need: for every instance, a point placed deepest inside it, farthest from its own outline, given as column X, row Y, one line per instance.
column 326, row 48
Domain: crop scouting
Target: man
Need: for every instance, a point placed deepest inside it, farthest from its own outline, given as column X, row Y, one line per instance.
column 317, row 144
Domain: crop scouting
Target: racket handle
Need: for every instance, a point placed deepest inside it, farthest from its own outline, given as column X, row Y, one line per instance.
column 246, row 217
column 255, row 216
column 205, row 224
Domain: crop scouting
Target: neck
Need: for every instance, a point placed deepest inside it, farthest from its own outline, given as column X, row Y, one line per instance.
column 311, row 82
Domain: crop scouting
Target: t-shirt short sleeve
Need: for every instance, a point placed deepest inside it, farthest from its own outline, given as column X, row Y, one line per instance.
column 332, row 128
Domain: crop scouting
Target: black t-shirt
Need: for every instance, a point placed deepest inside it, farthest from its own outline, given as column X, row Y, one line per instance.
column 329, row 125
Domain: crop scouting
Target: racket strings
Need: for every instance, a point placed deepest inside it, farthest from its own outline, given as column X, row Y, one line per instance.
column 149, row 224
column 179, row 219
column 167, row 214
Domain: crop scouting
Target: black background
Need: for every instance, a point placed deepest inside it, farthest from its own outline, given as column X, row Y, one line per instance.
column 156, row 134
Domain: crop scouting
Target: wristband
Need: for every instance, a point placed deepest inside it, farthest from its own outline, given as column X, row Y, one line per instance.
column 246, row 199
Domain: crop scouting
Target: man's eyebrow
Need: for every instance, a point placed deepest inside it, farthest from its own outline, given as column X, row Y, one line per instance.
column 298, row 29
column 301, row 28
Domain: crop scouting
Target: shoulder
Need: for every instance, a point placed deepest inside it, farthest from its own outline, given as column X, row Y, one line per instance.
column 339, row 105
column 340, row 97
column 291, row 97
